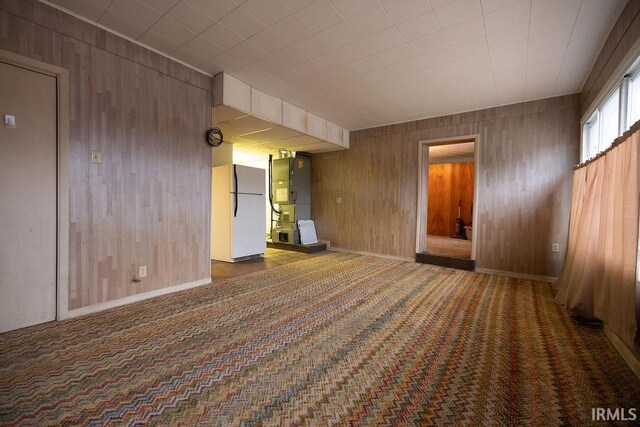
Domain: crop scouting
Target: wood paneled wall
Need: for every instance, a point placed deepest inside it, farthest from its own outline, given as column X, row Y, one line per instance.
column 625, row 32
column 449, row 184
column 148, row 203
column 527, row 151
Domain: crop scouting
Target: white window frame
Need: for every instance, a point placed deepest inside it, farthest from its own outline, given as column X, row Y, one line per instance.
column 635, row 77
column 624, row 111
column 594, row 120
column 602, row 144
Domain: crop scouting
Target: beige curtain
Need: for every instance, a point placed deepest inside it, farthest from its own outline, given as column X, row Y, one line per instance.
column 575, row 290
column 599, row 276
column 618, row 239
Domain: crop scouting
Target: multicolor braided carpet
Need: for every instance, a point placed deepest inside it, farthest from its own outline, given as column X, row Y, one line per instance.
column 336, row 339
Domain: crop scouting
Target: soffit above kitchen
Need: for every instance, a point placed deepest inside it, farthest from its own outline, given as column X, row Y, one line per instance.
column 365, row 63
column 256, row 122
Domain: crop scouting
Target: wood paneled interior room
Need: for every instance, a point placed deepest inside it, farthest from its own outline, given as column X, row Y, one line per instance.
column 233, row 212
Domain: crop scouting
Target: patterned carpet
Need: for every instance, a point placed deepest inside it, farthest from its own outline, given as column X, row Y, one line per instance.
column 336, row 339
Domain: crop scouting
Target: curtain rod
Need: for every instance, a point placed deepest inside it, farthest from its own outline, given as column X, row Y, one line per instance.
column 619, row 140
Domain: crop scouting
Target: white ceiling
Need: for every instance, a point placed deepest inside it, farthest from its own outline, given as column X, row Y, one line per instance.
column 363, row 63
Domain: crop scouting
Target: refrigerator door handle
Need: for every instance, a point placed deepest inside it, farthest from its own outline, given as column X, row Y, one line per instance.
column 235, row 180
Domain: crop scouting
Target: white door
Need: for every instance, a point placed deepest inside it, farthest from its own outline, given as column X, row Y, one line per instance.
column 27, row 198
column 249, row 228
column 250, row 180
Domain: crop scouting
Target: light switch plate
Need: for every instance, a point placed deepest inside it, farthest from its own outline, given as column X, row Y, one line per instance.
column 142, row 271
column 9, row 121
column 96, row 157
column 338, row 199
column 555, row 247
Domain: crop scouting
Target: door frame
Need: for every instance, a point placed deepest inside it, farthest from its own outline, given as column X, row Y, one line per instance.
column 62, row 170
column 423, row 187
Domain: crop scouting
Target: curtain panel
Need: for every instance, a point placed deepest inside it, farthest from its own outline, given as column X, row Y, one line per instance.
column 598, row 280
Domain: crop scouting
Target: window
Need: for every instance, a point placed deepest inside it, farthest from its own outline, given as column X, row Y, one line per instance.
column 603, row 127
column 619, row 111
column 592, row 132
column 633, row 101
column 610, row 125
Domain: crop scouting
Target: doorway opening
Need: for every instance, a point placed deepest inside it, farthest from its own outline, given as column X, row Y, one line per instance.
column 447, row 196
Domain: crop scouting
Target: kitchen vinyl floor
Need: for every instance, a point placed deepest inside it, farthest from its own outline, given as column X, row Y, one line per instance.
column 221, row 270
column 440, row 245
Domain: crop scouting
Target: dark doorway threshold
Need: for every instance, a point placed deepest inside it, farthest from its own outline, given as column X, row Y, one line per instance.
column 307, row 249
column 446, row 261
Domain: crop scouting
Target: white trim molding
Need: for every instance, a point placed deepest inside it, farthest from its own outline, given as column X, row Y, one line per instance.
column 423, row 187
column 134, row 298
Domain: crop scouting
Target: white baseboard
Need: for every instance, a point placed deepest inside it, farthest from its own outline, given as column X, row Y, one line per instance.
column 133, row 298
column 517, row 275
column 626, row 353
column 336, row 249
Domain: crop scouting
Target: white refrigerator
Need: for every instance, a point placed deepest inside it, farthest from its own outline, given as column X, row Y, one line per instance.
column 238, row 205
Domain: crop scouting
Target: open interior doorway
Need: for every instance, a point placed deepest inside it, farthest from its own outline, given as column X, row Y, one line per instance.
column 446, row 201
column 450, row 199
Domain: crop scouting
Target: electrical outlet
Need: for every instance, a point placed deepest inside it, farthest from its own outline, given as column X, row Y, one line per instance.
column 338, row 199
column 142, row 271
column 555, row 247
column 96, row 157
